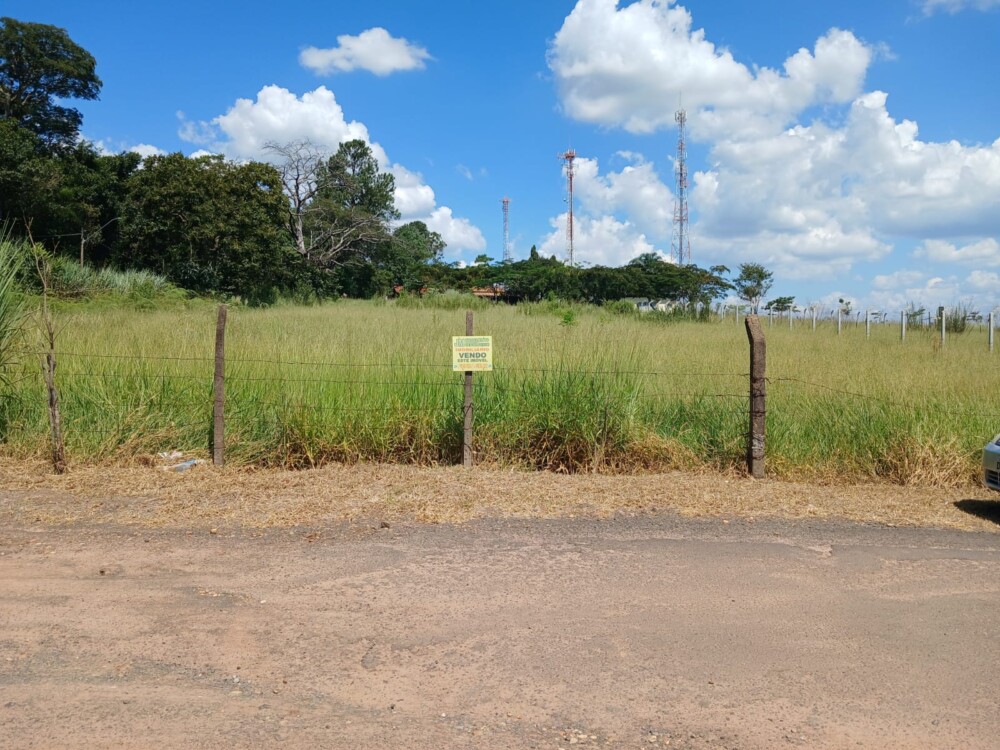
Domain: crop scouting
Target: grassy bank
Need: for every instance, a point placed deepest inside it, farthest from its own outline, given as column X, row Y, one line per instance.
column 574, row 389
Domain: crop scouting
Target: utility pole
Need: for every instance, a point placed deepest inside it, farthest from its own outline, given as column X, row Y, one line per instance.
column 506, row 230
column 681, row 246
column 569, row 157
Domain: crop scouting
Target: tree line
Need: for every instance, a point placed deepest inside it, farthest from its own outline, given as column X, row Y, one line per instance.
column 307, row 224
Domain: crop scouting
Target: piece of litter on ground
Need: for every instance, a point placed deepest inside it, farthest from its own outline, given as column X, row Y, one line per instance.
column 184, row 466
column 171, row 455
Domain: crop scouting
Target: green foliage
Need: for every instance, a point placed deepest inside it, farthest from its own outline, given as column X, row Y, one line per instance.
column 448, row 300
column 753, row 284
column 780, row 304
column 208, row 225
column 621, row 307
column 349, row 217
column 40, row 67
column 956, row 319
column 538, row 278
column 12, row 308
column 70, row 199
column 404, row 260
column 608, row 393
column 69, row 280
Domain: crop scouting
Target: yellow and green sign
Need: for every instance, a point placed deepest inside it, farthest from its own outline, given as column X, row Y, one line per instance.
column 472, row 353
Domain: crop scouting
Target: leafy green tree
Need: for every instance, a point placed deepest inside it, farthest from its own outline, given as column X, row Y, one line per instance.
column 753, row 284
column 29, row 177
column 85, row 209
column 208, row 225
column 696, row 287
column 535, row 279
column 914, row 315
column 70, row 200
column 406, row 259
column 351, row 214
column 40, row 67
column 600, row 284
column 780, row 304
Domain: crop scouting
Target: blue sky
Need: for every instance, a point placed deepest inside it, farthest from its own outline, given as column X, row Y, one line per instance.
column 852, row 147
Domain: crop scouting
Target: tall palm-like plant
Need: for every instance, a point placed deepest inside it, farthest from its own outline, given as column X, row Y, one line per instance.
column 13, row 308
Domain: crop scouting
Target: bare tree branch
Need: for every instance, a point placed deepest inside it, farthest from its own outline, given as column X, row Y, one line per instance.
column 300, row 162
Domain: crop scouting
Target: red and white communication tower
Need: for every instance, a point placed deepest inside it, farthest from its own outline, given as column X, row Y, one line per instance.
column 506, row 230
column 681, row 245
column 569, row 158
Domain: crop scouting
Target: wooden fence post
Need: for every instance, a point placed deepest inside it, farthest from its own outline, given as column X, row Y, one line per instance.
column 55, row 420
column 758, row 397
column 467, row 408
column 943, row 320
column 840, row 315
column 991, row 330
column 902, row 326
column 868, row 324
column 219, row 388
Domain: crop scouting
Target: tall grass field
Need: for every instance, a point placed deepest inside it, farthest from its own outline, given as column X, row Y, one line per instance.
column 574, row 389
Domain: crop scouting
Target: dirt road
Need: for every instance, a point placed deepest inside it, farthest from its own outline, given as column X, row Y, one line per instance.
column 653, row 631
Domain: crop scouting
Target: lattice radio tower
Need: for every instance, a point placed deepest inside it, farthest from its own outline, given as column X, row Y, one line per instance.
column 569, row 157
column 681, row 245
column 506, row 230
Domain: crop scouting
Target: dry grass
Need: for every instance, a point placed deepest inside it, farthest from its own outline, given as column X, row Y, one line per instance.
column 205, row 497
column 607, row 393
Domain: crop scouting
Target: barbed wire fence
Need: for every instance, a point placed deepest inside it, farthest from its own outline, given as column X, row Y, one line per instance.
column 941, row 323
column 188, row 395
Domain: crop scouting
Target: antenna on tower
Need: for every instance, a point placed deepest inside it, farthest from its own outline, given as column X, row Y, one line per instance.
column 681, row 245
column 569, row 157
column 506, row 230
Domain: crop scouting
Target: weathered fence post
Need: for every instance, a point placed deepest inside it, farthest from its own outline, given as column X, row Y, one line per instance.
column 991, row 330
column 840, row 314
column 902, row 326
column 942, row 316
column 49, row 371
column 467, row 408
column 814, row 317
column 758, row 397
column 55, row 420
column 868, row 324
column 219, row 389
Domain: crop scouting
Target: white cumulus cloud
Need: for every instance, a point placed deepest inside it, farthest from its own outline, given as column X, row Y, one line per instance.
column 985, row 252
column 636, row 191
column 278, row 115
column 807, row 171
column 984, row 281
column 374, row 50
column 630, row 66
column 458, row 233
column 617, row 215
column 897, row 279
column 601, row 240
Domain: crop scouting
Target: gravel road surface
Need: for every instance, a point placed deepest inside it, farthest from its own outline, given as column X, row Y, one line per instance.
column 653, row 631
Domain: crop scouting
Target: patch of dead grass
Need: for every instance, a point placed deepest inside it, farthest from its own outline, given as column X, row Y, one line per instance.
column 257, row 498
